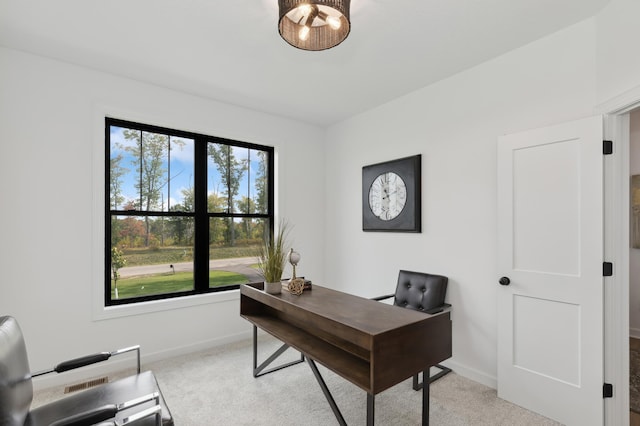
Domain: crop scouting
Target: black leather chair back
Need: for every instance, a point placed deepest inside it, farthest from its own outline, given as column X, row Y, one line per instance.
column 16, row 388
column 420, row 291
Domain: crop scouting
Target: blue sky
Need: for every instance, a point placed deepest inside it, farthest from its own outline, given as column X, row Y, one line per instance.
column 180, row 167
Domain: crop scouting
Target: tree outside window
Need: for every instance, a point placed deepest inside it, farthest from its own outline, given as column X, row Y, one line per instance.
column 186, row 212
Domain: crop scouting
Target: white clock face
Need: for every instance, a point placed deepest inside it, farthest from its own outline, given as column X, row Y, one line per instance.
column 387, row 196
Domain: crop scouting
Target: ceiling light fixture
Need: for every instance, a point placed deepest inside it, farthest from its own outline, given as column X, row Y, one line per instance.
column 314, row 24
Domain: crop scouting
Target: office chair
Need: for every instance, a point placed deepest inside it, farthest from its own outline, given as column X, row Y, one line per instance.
column 134, row 400
column 424, row 293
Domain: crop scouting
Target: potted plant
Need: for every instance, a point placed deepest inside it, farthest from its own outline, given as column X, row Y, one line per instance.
column 273, row 258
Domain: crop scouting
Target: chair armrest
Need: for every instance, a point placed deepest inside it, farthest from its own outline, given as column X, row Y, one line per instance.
column 155, row 410
column 81, row 362
column 438, row 309
column 109, row 411
column 88, row 360
column 90, row 417
column 379, row 298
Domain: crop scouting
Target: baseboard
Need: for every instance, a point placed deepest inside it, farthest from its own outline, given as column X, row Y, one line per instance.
column 195, row 347
column 472, row 373
column 127, row 362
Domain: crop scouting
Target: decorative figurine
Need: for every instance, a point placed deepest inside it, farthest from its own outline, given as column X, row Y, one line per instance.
column 296, row 285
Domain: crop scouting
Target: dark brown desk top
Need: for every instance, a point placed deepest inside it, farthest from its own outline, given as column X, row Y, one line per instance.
column 372, row 344
column 365, row 315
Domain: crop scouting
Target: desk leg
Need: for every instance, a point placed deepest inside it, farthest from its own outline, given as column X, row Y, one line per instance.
column 327, row 394
column 371, row 408
column 258, row 370
column 443, row 372
column 425, row 399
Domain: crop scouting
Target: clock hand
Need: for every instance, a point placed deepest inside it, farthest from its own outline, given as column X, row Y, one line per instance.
column 388, row 194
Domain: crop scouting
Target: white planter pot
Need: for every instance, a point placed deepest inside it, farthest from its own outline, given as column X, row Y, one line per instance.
column 273, row 288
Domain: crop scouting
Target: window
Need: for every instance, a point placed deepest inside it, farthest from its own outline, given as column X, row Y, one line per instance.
column 185, row 212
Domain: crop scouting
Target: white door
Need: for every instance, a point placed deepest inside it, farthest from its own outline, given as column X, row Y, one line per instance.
column 550, row 249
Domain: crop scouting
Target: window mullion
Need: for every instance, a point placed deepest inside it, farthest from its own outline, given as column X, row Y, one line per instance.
column 201, row 257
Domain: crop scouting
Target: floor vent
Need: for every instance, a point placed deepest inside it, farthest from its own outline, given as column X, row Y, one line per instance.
column 86, row 385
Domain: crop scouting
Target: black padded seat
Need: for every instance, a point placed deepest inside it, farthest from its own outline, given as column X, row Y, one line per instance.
column 120, row 390
column 421, row 291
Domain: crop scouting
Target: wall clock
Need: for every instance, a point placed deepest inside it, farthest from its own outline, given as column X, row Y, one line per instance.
column 391, row 199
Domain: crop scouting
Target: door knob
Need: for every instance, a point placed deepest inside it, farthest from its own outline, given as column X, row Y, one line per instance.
column 504, row 281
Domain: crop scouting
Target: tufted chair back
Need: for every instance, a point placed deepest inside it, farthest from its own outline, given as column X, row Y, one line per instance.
column 16, row 389
column 420, row 291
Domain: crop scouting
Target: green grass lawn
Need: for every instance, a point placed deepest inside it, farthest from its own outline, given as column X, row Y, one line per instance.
column 170, row 283
column 155, row 256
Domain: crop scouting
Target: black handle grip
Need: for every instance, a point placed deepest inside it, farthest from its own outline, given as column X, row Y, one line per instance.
column 504, row 281
column 81, row 362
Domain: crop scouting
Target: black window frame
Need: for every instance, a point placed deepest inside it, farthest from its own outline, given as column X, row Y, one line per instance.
column 200, row 214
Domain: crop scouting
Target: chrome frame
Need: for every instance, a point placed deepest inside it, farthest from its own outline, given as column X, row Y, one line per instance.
column 129, row 349
column 155, row 410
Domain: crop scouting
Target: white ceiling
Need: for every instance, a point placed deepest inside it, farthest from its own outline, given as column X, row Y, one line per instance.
column 231, row 51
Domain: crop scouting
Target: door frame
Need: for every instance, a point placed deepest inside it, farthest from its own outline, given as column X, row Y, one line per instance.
column 616, row 240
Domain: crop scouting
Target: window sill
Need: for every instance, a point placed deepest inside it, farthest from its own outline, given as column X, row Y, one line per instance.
column 109, row 312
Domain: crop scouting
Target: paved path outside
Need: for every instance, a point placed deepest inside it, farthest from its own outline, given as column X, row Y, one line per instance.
column 240, row 265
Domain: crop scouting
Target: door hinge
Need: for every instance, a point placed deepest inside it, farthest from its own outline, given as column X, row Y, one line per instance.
column 607, row 147
column 607, row 269
column 607, row 390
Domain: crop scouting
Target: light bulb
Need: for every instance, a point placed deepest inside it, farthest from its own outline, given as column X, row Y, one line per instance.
column 334, row 22
column 311, row 16
column 304, row 9
column 304, row 33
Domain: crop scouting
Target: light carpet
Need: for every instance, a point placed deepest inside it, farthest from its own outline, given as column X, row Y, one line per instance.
column 216, row 387
column 634, row 375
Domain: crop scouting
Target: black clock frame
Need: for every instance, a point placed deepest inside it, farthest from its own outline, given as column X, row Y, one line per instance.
column 409, row 219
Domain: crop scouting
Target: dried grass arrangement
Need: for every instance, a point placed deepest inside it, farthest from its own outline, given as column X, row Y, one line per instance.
column 273, row 254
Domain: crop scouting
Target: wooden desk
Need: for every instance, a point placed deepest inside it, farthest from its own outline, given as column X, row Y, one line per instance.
column 371, row 344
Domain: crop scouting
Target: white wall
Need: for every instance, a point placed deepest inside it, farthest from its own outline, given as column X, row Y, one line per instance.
column 454, row 124
column 51, row 217
column 618, row 65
